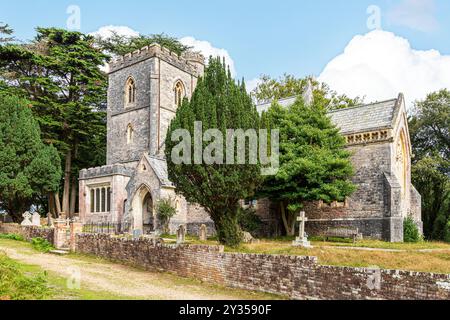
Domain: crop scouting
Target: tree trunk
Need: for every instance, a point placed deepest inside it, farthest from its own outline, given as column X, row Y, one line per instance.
column 57, row 205
column 73, row 198
column 67, row 180
column 228, row 230
column 286, row 220
column 51, row 205
column 289, row 220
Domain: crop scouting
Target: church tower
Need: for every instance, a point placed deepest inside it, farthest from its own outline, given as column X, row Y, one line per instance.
column 145, row 89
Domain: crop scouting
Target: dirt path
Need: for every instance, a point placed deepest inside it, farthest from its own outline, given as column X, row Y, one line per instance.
column 125, row 281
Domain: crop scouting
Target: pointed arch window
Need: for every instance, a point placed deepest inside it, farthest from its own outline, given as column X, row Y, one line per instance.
column 130, row 92
column 130, row 134
column 179, row 93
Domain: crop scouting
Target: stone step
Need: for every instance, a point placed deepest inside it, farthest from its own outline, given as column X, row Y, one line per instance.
column 60, row 252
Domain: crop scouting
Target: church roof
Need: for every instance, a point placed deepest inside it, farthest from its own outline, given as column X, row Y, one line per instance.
column 159, row 166
column 378, row 115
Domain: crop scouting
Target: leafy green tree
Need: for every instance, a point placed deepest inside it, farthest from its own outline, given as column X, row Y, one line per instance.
column 219, row 103
column 27, row 166
column 434, row 185
column 313, row 162
column 430, row 126
column 430, row 137
column 60, row 72
column 288, row 86
column 120, row 45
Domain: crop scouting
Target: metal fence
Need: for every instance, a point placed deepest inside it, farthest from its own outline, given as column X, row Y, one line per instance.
column 107, row 228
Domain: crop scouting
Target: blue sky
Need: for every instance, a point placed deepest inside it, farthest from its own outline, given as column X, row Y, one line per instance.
column 270, row 37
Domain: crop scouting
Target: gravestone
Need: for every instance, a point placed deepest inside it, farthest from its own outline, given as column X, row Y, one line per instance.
column 247, row 237
column 302, row 239
column 26, row 219
column 181, row 234
column 36, row 219
column 203, row 233
column 137, row 234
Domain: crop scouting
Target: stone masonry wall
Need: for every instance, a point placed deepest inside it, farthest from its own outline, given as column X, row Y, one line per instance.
column 27, row 232
column 293, row 276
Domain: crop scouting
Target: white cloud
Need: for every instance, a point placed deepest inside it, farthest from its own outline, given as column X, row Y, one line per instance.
column 106, row 31
column 251, row 85
column 380, row 64
column 414, row 14
column 207, row 49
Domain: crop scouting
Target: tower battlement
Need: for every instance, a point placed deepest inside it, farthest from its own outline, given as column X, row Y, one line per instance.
column 190, row 62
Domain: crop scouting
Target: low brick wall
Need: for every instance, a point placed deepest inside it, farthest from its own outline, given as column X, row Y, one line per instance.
column 28, row 232
column 293, row 276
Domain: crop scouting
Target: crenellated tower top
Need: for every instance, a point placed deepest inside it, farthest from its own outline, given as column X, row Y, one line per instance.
column 191, row 62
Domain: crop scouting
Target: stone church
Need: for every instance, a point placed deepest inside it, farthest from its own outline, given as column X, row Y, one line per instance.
column 145, row 89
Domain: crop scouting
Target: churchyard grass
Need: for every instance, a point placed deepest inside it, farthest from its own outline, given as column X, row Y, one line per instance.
column 18, row 283
column 365, row 253
column 410, row 260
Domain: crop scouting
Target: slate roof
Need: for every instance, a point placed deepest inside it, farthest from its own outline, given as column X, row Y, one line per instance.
column 374, row 116
column 380, row 115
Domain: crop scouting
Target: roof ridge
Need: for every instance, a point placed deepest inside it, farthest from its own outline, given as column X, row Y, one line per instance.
column 278, row 100
column 338, row 110
column 363, row 105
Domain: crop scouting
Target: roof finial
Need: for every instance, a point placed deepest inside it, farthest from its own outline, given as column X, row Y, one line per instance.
column 308, row 95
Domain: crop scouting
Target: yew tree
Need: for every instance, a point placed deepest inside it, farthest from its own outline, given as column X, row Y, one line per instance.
column 218, row 102
column 28, row 167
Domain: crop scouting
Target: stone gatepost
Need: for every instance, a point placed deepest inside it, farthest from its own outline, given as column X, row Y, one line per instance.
column 62, row 234
column 76, row 227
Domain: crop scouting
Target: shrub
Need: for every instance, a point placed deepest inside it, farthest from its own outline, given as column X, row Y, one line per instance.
column 14, row 285
column 16, row 237
column 410, row 231
column 165, row 211
column 41, row 245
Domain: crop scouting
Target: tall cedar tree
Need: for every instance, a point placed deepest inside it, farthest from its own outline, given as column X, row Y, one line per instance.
column 313, row 162
column 270, row 89
column 60, row 73
column 7, row 31
column 27, row 166
column 219, row 103
column 430, row 136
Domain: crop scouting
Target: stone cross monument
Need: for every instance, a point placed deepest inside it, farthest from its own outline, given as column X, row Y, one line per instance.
column 26, row 219
column 302, row 239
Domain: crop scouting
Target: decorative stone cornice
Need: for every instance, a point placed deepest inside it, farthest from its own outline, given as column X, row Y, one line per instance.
column 105, row 171
column 377, row 136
